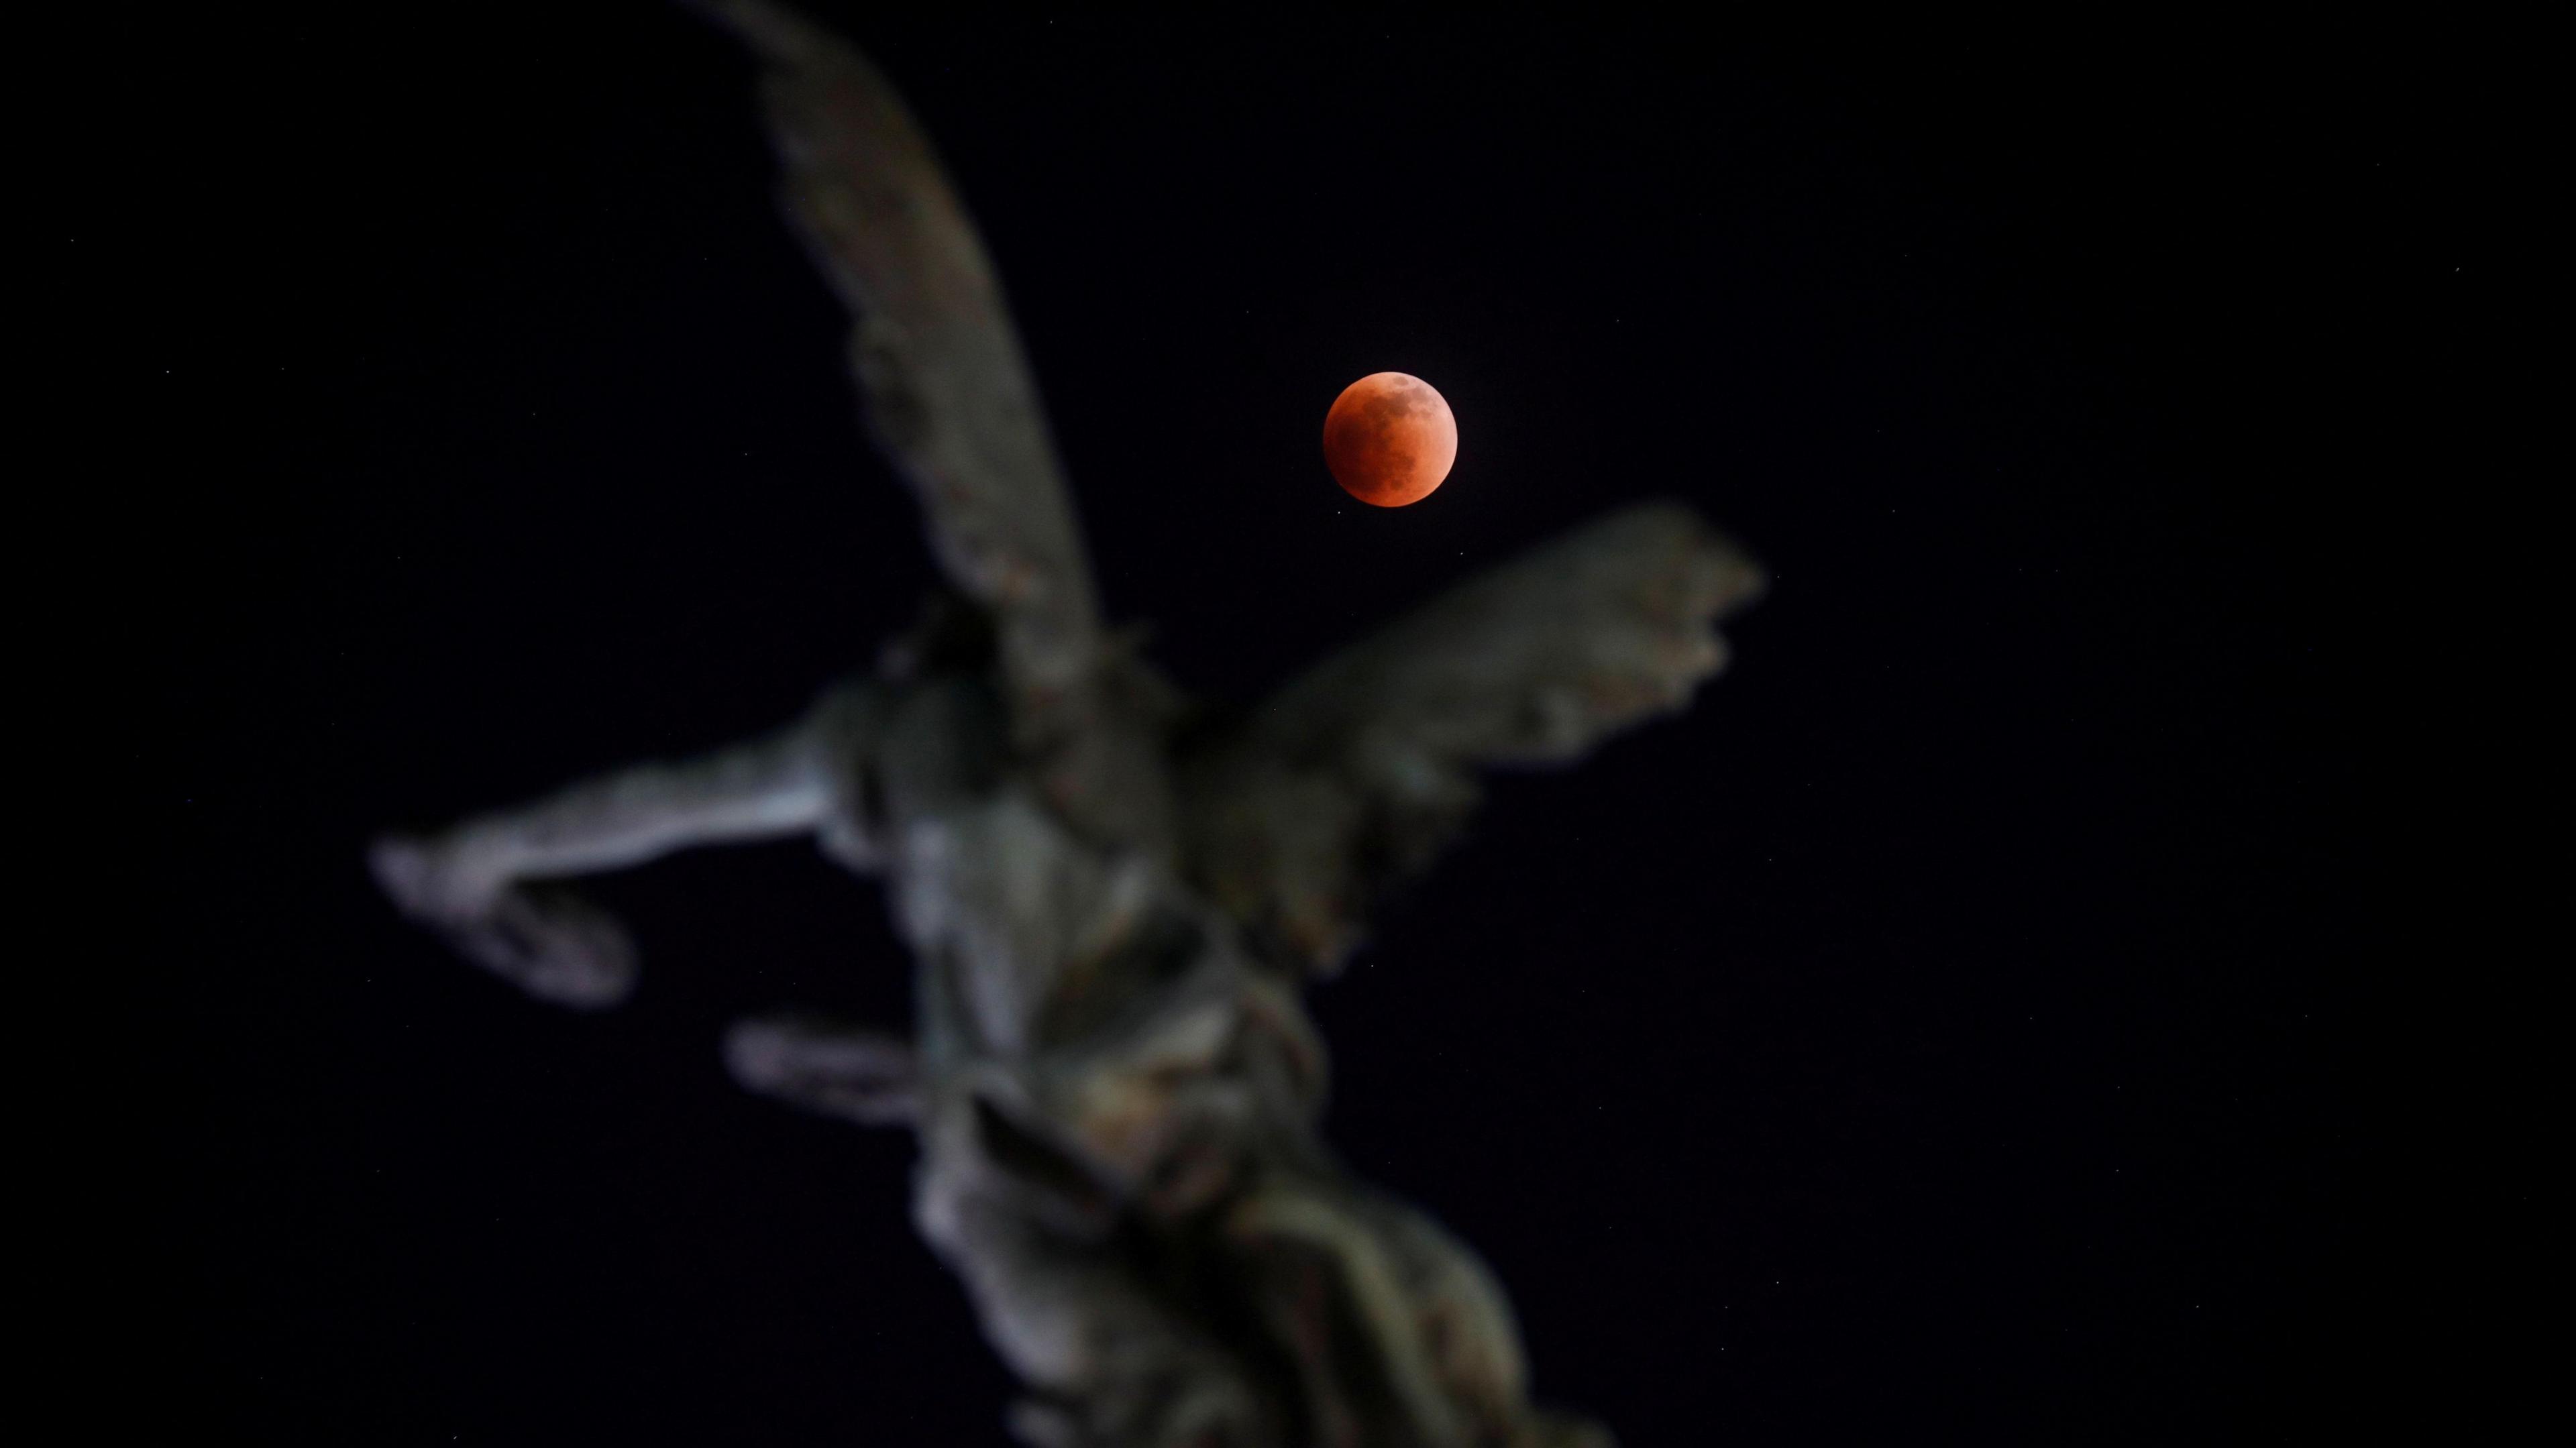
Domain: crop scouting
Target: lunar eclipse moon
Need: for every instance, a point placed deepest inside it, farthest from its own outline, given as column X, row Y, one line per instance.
column 1390, row 439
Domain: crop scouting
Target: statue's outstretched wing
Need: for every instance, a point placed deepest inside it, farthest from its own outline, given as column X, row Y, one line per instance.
column 1354, row 774
column 948, row 394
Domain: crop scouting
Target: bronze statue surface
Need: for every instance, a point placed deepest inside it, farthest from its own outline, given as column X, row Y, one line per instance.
column 1112, row 1076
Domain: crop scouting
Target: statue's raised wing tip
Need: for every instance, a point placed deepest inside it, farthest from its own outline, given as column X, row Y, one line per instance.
column 947, row 391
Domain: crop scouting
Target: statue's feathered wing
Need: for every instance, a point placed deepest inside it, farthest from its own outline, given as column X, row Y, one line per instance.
column 1354, row 773
column 947, row 392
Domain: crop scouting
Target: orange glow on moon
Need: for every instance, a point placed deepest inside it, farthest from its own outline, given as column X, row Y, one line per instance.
column 1389, row 439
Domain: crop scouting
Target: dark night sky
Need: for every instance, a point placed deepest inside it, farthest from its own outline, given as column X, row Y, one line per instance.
column 1955, row 1029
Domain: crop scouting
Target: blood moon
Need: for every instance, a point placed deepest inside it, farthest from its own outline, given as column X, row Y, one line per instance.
column 1389, row 439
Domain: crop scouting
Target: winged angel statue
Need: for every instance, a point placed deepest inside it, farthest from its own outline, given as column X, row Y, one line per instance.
column 1112, row 1076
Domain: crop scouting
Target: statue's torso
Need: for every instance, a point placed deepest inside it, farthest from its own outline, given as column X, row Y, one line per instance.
column 1081, row 994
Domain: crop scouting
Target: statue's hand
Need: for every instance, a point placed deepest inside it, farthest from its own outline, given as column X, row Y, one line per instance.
column 858, row 1075
column 546, row 941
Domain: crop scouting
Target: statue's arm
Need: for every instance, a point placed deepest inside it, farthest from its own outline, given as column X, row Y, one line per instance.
column 481, row 882
column 1357, row 771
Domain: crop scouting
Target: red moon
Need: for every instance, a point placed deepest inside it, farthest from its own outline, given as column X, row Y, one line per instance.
column 1389, row 439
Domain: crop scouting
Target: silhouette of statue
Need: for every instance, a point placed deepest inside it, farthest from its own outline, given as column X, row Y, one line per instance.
column 1114, row 1081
